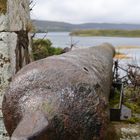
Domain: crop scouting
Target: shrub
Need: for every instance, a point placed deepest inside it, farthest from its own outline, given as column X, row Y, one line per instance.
column 43, row 48
column 133, row 106
column 133, row 120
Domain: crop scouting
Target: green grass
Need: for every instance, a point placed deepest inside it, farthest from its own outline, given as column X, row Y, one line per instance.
column 132, row 99
column 133, row 120
column 112, row 33
column 114, row 102
column 133, row 106
column 43, row 48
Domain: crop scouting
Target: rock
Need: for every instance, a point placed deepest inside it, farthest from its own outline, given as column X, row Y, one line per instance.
column 3, row 22
column 5, row 67
column 18, row 15
column 67, row 49
column 71, row 91
column 126, row 113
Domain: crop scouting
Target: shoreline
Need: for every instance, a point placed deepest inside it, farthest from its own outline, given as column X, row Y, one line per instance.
column 106, row 33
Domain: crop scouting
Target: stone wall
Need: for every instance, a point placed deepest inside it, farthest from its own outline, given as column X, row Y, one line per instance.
column 14, row 41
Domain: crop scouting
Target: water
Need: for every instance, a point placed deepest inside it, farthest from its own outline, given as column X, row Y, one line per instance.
column 62, row 39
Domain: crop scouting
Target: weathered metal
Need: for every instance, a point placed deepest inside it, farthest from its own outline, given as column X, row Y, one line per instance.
column 61, row 97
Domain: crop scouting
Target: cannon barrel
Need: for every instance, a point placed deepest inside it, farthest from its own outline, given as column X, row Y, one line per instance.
column 61, row 97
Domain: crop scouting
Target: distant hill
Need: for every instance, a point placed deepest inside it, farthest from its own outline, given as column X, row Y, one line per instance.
column 52, row 26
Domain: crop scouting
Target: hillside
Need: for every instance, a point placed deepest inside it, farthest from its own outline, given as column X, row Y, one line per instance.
column 52, row 26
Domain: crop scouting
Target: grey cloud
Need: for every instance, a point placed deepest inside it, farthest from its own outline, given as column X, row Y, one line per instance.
column 76, row 11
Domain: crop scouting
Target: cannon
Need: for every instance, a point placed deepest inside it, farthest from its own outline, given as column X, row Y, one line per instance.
column 61, row 97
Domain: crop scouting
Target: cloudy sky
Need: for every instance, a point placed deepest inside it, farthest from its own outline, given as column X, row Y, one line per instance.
column 81, row 11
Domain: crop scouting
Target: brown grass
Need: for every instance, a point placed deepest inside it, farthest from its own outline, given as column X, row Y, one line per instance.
column 112, row 133
column 122, row 56
column 3, row 6
column 127, row 47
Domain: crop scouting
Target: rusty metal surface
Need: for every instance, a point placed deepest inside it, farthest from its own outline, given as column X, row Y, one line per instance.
column 71, row 91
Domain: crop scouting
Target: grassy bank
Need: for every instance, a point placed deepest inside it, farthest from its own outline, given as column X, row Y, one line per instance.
column 111, row 33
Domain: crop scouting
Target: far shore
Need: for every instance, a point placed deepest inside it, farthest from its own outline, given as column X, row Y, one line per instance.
column 121, row 55
column 127, row 47
column 106, row 33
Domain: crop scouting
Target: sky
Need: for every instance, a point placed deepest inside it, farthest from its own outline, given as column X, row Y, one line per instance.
column 83, row 11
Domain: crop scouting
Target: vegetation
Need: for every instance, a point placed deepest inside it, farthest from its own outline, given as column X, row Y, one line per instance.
column 127, row 47
column 3, row 6
column 43, row 48
column 133, row 106
column 114, row 102
column 133, row 120
column 113, row 33
column 30, row 27
column 132, row 99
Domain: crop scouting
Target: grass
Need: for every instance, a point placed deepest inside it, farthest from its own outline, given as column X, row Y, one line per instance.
column 3, row 6
column 112, row 33
column 133, row 120
column 114, row 102
column 132, row 101
column 133, row 106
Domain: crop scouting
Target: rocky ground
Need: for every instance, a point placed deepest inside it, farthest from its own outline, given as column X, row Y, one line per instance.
column 127, row 131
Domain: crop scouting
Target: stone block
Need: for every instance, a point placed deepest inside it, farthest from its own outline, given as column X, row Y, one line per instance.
column 3, row 22
column 19, row 15
column 7, row 58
